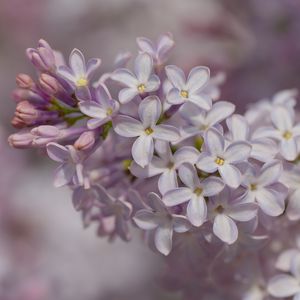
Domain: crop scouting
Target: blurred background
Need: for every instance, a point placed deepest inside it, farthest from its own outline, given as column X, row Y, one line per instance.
column 44, row 252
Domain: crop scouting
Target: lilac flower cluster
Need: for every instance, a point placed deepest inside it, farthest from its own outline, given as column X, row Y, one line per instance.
column 151, row 147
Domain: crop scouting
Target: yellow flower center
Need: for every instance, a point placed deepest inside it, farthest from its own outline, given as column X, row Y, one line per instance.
column 148, row 130
column 219, row 161
column 141, row 88
column 219, row 209
column 109, row 111
column 287, row 135
column 253, row 186
column 184, row 94
column 198, row 191
column 81, row 82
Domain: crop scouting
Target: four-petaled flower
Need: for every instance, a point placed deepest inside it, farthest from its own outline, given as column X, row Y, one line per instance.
column 217, row 157
column 146, row 130
column 102, row 109
column 190, row 89
column 158, row 218
column 194, row 193
column 140, row 82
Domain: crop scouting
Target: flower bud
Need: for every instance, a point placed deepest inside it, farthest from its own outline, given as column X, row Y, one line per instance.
column 49, row 84
column 85, row 141
column 26, row 114
column 24, row 81
column 20, row 140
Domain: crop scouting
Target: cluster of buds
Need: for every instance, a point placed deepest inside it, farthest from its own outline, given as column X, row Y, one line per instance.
column 215, row 192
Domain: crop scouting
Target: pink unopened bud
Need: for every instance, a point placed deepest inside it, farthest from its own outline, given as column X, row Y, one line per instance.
column 24, row 81
column 25, row 114
column 46, row 131
column 85, row 141
column 49, row 84
column 20, row 140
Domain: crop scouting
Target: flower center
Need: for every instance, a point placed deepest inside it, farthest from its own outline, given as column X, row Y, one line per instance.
column 253, row 186
column 219, row 161
column 148, row 130
column 141, row 88
column 81, row 82
column 184, row 94
column 198, row 191
column 287, row 135
column 219, row 209
column 109, row 111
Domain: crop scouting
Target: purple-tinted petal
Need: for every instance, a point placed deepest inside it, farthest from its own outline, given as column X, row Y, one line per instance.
column 152, row 84
column 188, row 175
column 225, row 229
column 77, row 63
column 143, row 67
column 167, row 181
column 156, row 203
column 150, row 111
column 264, row 150
column 92, row 66
column 270, row 202
column 219, row 112
column 180, row 224
column 166, row 133
column 92, row 109
column 127, row 94
column 67, row 74
column 125, row 77
column 177, row 196
column 284, row 260
column 283, row 285
column 282, row 119
column 176, row 76
column 127, row 126
column 197, row 210
column 214, row 141
column 102, row 95
column 173, row 97
column 212, row 186
column 197, row 78
column 163, row 238
column 201, row 100
column 64, row 175
column 288, row 149
column 142, row 150
column 57, row 152
column 239, row 128
column 293, row 208
column 164, row 151
column 157, row 166
column 206, row 163
column 243, row 212
column 186, row 154
column 231, row 175
column 146, row 45
column 95, row 123
column 237, row 152
column 270, row 173
column 146, row 219
column 164, row 45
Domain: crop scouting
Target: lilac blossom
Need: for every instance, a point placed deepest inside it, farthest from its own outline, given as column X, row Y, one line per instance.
column 221, row 159
column 146, row 130
column 138, row 83
column 190, row 89
column 223, row 211
column 194, row 192
column 102, row 110
column 157, row 217
column 165, row 164
column 263, row 186
column 159, row 51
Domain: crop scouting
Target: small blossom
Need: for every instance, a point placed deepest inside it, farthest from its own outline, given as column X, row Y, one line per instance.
column 146, row 130
column 101, row 110
column 188, row 90
column 138, row 83
column 165, row 165
column 223, row 211
column 262, row 186
column 158, row 218
column 160, row 51
column 71, row 168
column 194, row 193
column 218, row 158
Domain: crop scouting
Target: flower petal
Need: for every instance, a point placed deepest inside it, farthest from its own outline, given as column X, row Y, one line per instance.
column 163, row 239
column 225, row 229
column 197, row 78
column 156, row 167
column 167, row 181
column 127, row 94
column 146, row 219
column 142, row 150
column 237, row 152
column 219, row 112
column 186, row 154
column 77, row 63
column 173, row 97
column 293, row 208
column 57, row 152
column 283, row 285
column 146, row 45
column 176, row 76
column 214, row 142
column 270, row 173
column 166, row 133
column 64, row 174
column 282, row 119
column 188, row 175
column 92, row 109
column 197, row 210
column 243, row 212
column 201, row 100
column 152, row 84
column 125, row 77
column 177, row 196
column 206, row 163
column 270, row 202
column 127, row 126
column 180, row 224
column 238, row 127
column 143, row 65
column 288, row 149
column 212, row 186
column 92, row 65
column 149, row 111
column 231, row 175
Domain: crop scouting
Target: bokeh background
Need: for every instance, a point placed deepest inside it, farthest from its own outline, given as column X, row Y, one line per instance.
column 44, row 252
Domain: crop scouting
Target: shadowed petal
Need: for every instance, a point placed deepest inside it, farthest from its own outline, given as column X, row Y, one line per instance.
column 225, row 229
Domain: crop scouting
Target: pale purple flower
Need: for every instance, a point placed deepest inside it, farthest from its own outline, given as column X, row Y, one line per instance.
column 190, row 89
column 193, row 192
column 159, row 51
column 263, row 149
column 199, row 121
column 146, row 130
column 138, row 83
column 117, row 209
column 224, row 211
column 70, row 170
column 157, row 217
column 287, row 285
column 79, row 73
column 165, row 165
column 284, row 131
column 102, row 109
column 263, row 186
column 221, row 159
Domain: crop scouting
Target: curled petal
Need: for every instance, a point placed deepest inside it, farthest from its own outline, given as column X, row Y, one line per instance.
column 92, row 66
column 77, row 62
column 201, row 100
column 57, row 152
column 180, row 224
column 152, row 84
column 146, row 219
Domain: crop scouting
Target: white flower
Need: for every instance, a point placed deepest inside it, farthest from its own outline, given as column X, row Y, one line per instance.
column 158, row 218
column 146, row 130
column 218, row 158
column 188, row 90
column 193, row 193
column 139, row 83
